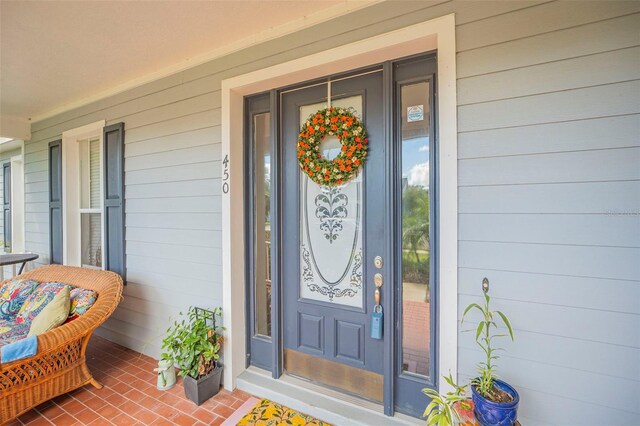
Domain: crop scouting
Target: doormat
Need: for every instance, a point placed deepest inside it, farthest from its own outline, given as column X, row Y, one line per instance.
column 269, row 413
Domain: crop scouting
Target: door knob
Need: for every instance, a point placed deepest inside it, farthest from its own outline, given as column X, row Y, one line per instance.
column 378, row 280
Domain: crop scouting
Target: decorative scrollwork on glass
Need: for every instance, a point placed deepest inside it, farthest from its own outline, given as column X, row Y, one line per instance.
column 307, row 270
column 331, row 209
column 332, row 292
column 356, row 272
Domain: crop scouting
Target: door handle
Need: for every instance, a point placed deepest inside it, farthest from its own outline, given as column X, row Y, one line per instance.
column 378, row 280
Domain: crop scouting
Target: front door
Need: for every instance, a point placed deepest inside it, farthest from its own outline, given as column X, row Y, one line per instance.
column 323, row 250
column 330, row 237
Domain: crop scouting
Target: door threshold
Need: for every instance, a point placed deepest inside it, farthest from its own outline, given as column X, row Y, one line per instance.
column 318, row 401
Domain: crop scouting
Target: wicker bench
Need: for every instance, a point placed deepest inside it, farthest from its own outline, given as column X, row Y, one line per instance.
column 59, row 365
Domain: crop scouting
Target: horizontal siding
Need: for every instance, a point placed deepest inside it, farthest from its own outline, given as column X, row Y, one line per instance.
column 604, row 36
column 577, row 135
column 549, row 175
column 548, row 151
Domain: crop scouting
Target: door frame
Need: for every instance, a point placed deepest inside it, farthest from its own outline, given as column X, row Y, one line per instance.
column 433, row 35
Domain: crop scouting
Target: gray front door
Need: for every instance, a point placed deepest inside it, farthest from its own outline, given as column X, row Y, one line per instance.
column 331, row 236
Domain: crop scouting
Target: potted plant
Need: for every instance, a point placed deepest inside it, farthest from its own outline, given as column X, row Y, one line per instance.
column 495, row 401
column 444, row 410
column 193, row 344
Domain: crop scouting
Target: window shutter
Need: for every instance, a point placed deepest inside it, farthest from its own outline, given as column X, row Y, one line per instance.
column 114, row 199
column 55, row 202
column 6, row 205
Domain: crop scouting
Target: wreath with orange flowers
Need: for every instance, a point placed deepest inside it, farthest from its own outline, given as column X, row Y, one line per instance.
column 348, row 128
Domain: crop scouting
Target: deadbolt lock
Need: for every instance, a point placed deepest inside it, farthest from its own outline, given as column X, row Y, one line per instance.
column 377, row 261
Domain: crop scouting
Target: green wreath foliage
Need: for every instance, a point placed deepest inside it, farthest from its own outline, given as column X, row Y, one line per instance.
column 348, row 128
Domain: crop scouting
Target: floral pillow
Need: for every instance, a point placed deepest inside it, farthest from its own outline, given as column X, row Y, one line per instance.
column 37, row 300
column 81, row 300
column 13, row 295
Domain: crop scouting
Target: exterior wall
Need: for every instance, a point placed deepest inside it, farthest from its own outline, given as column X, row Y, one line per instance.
column 549, row 183
column 5, row 157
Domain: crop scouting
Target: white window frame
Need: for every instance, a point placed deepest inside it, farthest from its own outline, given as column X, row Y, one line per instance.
column 71, row 191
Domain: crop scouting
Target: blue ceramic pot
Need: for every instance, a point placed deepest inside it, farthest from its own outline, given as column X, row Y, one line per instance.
column 490, row 413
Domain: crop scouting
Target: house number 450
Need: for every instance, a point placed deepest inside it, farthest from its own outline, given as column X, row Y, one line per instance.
column 225, row 174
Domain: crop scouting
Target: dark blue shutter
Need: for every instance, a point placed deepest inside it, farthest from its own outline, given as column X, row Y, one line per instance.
column 6, row 205
column 55, row 202
column 114, row 198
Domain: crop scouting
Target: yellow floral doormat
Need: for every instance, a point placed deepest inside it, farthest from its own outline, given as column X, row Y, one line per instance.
column 268, row 413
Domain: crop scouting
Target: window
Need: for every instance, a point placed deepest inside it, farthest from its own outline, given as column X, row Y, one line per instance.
column 86, row 198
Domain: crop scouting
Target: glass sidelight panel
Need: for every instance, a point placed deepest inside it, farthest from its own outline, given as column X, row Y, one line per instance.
column 331, row 228
column 262, row 222
column 416, row 241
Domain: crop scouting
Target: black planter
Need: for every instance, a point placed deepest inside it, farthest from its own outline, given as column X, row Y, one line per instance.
column 204, row 388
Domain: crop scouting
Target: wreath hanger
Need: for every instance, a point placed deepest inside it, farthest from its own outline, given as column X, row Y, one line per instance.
column 350, row 131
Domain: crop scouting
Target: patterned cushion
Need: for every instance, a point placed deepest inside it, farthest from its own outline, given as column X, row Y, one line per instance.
column 37, row 301
column 13, row 295
column 11, row 332
column 81, row 300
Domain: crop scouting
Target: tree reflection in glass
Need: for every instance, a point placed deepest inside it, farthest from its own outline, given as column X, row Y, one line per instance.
column 415, row 229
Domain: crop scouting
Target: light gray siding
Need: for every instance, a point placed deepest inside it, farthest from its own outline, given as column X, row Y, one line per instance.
column 549, row 175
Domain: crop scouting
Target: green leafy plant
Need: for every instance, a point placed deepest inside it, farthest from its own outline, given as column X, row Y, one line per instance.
column 484, row 337
column 441, row 410
column 193, row 343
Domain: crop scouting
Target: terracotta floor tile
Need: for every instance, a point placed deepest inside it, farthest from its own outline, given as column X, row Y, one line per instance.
column 95, row 403
column 130, row 407
column 116, row 399
column 166, row 411
column 121, row 388
column 129, row 396
column 40, row 421
column 241, row 395
column 100, row 422
column 29, row 416
column 187, row 407
column 64, row 420
column 52, row 411
column 86, row 416
column 135, row 395
column 184, row 420
column 123, row 420
column 223, row 411
column 146, row 416
column 205, row 416
column 108, row 411
column 218, row 421
column 82, row 395
column 74, row 406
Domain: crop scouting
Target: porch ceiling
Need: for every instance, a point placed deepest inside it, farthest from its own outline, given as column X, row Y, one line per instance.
column 60, row 54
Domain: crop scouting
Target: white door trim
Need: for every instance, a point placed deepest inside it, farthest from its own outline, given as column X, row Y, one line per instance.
column 436, row 34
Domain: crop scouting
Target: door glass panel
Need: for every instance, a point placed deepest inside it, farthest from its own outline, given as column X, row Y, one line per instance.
column 415, row 228
column 262, row 225
column 331, row 230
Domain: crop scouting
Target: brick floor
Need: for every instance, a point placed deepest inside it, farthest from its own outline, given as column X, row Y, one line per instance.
column 129, row 396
